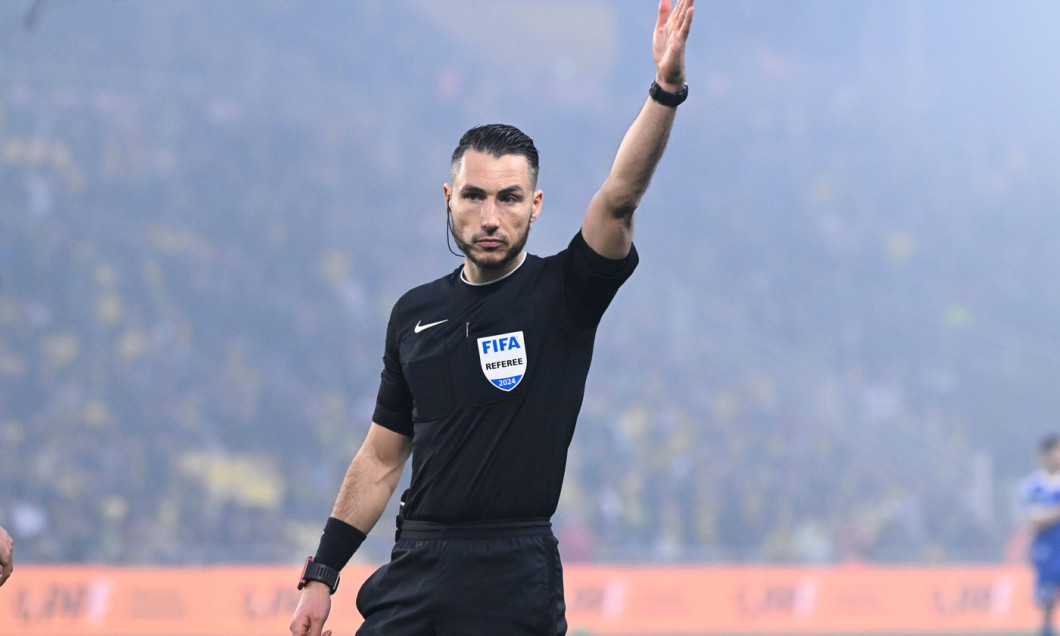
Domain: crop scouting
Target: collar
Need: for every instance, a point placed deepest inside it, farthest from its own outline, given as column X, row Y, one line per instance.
column 514, row 269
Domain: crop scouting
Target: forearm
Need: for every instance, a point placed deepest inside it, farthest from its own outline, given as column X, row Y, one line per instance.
column 366, row 489
column 608, row 224
column 637, row 157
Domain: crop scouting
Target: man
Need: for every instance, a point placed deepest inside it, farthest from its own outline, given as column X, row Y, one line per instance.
column 7, row 556
column 1040, row 495
column 484, row 374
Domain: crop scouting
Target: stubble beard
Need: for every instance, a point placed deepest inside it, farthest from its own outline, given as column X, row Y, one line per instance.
column 510, row 255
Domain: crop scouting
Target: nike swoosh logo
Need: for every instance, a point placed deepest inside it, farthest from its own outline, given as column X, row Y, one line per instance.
column 420, row 327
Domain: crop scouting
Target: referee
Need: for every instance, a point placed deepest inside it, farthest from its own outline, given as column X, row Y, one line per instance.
column 483, row 377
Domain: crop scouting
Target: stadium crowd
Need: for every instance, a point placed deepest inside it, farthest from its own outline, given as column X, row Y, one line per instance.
column 840, row 285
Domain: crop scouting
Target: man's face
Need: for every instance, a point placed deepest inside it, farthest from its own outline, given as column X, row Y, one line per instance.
column 1051, row 460
column 492, row 202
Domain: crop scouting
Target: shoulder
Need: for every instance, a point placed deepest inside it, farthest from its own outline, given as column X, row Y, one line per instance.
column 542, row 273
column 581, row 255
column 426, row 294
column 536, row 265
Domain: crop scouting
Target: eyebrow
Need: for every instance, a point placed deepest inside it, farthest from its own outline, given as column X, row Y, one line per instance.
column 511, row 190
column 473, row 189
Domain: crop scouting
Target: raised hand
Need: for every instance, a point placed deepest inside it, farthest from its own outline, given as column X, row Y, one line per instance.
column 668, row 43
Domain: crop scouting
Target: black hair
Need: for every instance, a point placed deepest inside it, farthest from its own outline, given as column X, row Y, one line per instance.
column 497, row 140
column 1048, row 444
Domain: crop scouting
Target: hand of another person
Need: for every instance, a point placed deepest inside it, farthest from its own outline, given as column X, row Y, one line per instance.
column 7, row 556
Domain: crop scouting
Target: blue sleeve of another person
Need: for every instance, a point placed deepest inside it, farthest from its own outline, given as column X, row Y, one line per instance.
column 1035, row 494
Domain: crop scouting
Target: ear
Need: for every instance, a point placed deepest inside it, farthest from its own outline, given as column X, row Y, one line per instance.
column 539, row 197
column 447, row 193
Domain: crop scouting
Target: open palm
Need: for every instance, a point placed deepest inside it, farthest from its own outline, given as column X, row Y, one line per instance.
column 668, row 43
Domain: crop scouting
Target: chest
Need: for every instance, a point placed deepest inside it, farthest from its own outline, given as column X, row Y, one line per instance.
column 1045, row 494
column 470, row 351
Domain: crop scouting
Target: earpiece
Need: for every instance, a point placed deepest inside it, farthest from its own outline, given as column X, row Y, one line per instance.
column 449, row 229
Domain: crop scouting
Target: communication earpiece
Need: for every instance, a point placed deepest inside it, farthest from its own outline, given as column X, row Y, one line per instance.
column 449, row 229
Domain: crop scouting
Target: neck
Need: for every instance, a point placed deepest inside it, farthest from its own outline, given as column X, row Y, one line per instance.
column 479, row 276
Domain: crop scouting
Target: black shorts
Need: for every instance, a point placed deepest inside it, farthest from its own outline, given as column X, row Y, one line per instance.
column 468, row 579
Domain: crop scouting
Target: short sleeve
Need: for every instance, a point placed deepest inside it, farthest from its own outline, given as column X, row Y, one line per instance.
column 591, row 281
column 393, row 404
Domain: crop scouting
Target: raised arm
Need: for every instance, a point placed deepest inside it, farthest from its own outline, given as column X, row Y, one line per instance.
column 608, row 224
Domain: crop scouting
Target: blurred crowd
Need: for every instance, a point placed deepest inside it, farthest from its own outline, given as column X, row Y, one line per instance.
column 838, row 346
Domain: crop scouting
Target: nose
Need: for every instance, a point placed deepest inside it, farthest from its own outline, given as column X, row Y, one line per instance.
column 490, row 218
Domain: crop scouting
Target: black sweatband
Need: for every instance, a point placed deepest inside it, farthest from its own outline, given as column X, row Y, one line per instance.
column 338, row 543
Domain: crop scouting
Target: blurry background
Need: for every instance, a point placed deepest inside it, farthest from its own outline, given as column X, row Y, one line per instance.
column 841, row 343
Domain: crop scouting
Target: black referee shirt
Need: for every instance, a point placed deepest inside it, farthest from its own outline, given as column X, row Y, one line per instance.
column 488, row 381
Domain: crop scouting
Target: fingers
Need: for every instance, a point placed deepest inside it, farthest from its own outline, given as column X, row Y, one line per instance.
column 301, row 627
column 674, row 20
column 680, row 21
column 686, row 21
column 664, row 14
column 5, row 573
column 676, row 12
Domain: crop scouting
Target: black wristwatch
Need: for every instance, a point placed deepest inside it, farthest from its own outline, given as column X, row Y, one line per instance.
column 665, row 97
column 314, row 571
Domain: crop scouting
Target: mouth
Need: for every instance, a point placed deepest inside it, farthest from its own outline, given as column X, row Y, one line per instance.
column 489, row 243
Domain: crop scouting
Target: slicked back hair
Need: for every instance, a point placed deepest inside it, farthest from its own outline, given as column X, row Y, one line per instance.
column 1048, row 444
column 497, row 140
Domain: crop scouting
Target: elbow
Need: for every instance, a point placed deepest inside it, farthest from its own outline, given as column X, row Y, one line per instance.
column 625, row 208
column 622, row 201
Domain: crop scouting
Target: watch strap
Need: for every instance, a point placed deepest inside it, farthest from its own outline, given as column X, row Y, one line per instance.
column 665, row 97
column 314, row 571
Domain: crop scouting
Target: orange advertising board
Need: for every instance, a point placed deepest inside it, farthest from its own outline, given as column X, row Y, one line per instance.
column 259, row 600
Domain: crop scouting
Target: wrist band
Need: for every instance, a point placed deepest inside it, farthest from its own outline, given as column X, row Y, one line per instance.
column 666, row 98
column 338, row 543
